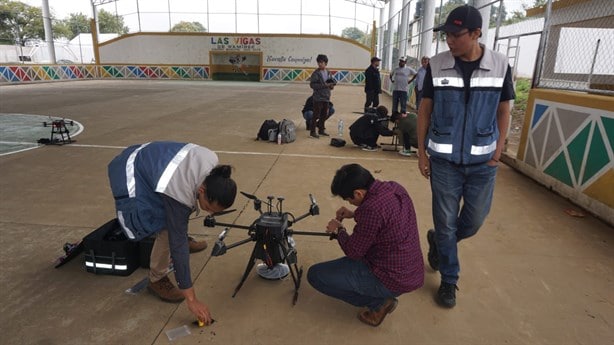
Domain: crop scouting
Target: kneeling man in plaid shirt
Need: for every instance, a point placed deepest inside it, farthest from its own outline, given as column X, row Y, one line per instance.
column 383, row 257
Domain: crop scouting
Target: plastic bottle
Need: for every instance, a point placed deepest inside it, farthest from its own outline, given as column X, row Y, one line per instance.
column 279, row 139
column 340, row 128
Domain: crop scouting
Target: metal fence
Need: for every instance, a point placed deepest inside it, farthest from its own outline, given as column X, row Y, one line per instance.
column 576, row 52
column 569, row 47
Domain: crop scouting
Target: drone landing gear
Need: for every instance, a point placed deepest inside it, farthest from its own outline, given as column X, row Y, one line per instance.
column 295, row 271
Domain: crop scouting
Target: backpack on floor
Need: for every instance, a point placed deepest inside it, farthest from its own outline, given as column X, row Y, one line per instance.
column 264, row 133
column 287, row 129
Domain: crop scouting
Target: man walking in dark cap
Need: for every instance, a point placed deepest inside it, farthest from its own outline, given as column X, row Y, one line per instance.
column 373, row 84
column 462, row 125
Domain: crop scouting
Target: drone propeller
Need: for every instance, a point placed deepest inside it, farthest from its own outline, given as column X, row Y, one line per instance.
column 221, row 213
column 249, row 196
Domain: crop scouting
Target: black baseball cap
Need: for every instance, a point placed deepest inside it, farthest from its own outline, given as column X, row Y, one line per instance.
column 375, row 58
column 462, row 17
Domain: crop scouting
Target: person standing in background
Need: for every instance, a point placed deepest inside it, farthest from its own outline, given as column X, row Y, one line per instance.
column 400, row 78
column 373, row 84
column 420, row 80
column 322, row 83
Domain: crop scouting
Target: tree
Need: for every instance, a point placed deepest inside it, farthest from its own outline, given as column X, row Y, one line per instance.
column 20, row 22
column 356, row 34
column 77, row 23
column 494, row 11
column 353, row 33
column 188, row 27
column 109, row 23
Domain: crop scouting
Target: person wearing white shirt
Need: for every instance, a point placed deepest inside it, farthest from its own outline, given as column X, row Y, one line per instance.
column 400, row 77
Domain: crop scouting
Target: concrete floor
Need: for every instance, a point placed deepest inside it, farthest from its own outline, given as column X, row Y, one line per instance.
column 532, row 275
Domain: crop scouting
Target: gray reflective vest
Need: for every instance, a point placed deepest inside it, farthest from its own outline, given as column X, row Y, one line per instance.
column 465, row 132
column 141, row 172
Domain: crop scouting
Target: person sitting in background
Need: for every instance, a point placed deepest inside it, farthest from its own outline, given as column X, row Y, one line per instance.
column 365, row 131
column 308, row 111
column 405, row 128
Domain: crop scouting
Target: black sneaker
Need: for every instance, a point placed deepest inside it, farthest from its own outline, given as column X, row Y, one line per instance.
column 446, row 295
column 308, row 125
column 324, row 134
column 314, row 135
column 432, row 255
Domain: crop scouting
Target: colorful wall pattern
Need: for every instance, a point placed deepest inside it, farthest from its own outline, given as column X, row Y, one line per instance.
column 297, row 74
column 569, row 137
column 35, row 73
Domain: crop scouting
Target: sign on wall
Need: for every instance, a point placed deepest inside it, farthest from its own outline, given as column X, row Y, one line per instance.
column 235, row 65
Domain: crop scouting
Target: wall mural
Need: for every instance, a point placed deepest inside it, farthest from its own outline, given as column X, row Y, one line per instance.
column 572, row 144
column 30, row 73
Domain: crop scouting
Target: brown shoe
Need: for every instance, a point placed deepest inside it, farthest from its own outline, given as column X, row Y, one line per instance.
column 196, row 246
column 375, row 318
column 164, row 289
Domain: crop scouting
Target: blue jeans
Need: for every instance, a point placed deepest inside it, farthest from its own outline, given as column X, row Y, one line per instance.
column 350, row 281
column 449, row 183
column 399, row 97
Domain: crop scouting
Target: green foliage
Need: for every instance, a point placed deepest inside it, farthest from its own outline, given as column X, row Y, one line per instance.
column 110, row 23
column 184, row 26
column 353, row 33
column 76, row 23
column 523, row 86
column 20, row 22
column 356, row 34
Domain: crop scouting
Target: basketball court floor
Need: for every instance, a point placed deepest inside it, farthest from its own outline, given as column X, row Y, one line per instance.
column 532, row 275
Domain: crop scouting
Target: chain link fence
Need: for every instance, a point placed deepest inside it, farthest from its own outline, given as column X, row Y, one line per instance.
column 575, row 53
column 577, row 50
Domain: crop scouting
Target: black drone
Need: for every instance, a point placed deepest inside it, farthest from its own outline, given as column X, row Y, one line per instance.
column 272, row 234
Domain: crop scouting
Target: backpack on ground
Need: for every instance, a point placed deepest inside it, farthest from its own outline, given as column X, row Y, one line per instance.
column 287, row 129
column 266, row 130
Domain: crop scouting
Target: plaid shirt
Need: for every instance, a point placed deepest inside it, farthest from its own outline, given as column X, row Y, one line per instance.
column 386, row 237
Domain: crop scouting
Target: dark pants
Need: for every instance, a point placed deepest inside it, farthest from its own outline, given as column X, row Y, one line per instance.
column 372, row 142
column 372, row 98
column 399, row 97
column 320, row 114
column 418, row 98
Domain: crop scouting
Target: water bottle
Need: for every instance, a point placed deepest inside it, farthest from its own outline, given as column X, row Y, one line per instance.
column 279, row 139
column 340, row 128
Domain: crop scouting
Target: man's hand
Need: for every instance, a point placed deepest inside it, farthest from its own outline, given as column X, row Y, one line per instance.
column 424, row 164
column 333, row 226
column 199, row 309
column 343, row 212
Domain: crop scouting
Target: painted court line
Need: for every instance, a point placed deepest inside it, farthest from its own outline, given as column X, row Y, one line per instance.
column 251, row 153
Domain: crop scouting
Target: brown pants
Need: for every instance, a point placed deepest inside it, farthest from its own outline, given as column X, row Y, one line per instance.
column 320, row 114
column 160, row 258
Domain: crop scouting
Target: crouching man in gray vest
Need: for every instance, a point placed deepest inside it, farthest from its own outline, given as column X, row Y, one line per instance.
column 156, row 187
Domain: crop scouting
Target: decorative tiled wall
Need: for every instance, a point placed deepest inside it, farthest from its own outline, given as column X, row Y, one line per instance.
column 569, row 137
column 31, row 73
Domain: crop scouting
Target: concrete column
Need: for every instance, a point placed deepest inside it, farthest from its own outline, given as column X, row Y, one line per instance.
column 48, row 31
column 392, row 27
column 428, row 20
column 403, row 33
column 380, row 34
column 485, row 12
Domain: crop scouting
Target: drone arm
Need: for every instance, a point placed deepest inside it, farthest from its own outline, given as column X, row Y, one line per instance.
column 314, row 210
column 234, row 226
column 310, row 233
column 236, row 244
column 299, row 218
